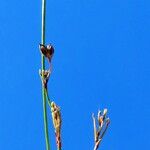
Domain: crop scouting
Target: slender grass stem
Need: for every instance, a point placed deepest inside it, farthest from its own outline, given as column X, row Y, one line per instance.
column 49, row 103
column 45, row 121
column 47, row 97
column 43, row 68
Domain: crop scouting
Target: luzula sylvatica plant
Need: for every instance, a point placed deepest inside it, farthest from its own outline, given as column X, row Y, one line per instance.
column 100, row 124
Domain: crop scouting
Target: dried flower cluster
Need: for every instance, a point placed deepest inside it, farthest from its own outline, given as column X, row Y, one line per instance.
column 45, row 74
column 48, row 51
column 100, row 128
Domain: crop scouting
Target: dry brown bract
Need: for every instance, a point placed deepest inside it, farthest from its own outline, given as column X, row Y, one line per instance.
column 56, row 117
column 45, row 74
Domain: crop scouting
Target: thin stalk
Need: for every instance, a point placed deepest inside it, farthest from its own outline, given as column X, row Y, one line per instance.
column 45, row 121
column 43, row 68
column 49, row 103
column 47, row 97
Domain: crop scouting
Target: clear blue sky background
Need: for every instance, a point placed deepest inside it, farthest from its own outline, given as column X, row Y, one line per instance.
column 102, row 59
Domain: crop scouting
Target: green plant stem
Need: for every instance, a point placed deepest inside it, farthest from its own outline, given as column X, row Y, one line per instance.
column 43, row 68
column 47, row 97
column 45, row 121
column 49, row 103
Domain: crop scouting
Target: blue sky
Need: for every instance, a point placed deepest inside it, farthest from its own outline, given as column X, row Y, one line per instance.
column 101, row 60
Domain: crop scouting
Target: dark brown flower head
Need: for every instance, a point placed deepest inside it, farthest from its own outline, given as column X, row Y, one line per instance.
column 47, row 51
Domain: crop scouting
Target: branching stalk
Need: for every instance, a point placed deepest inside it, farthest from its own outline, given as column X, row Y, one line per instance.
column 47, row 52
column 99, row 132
